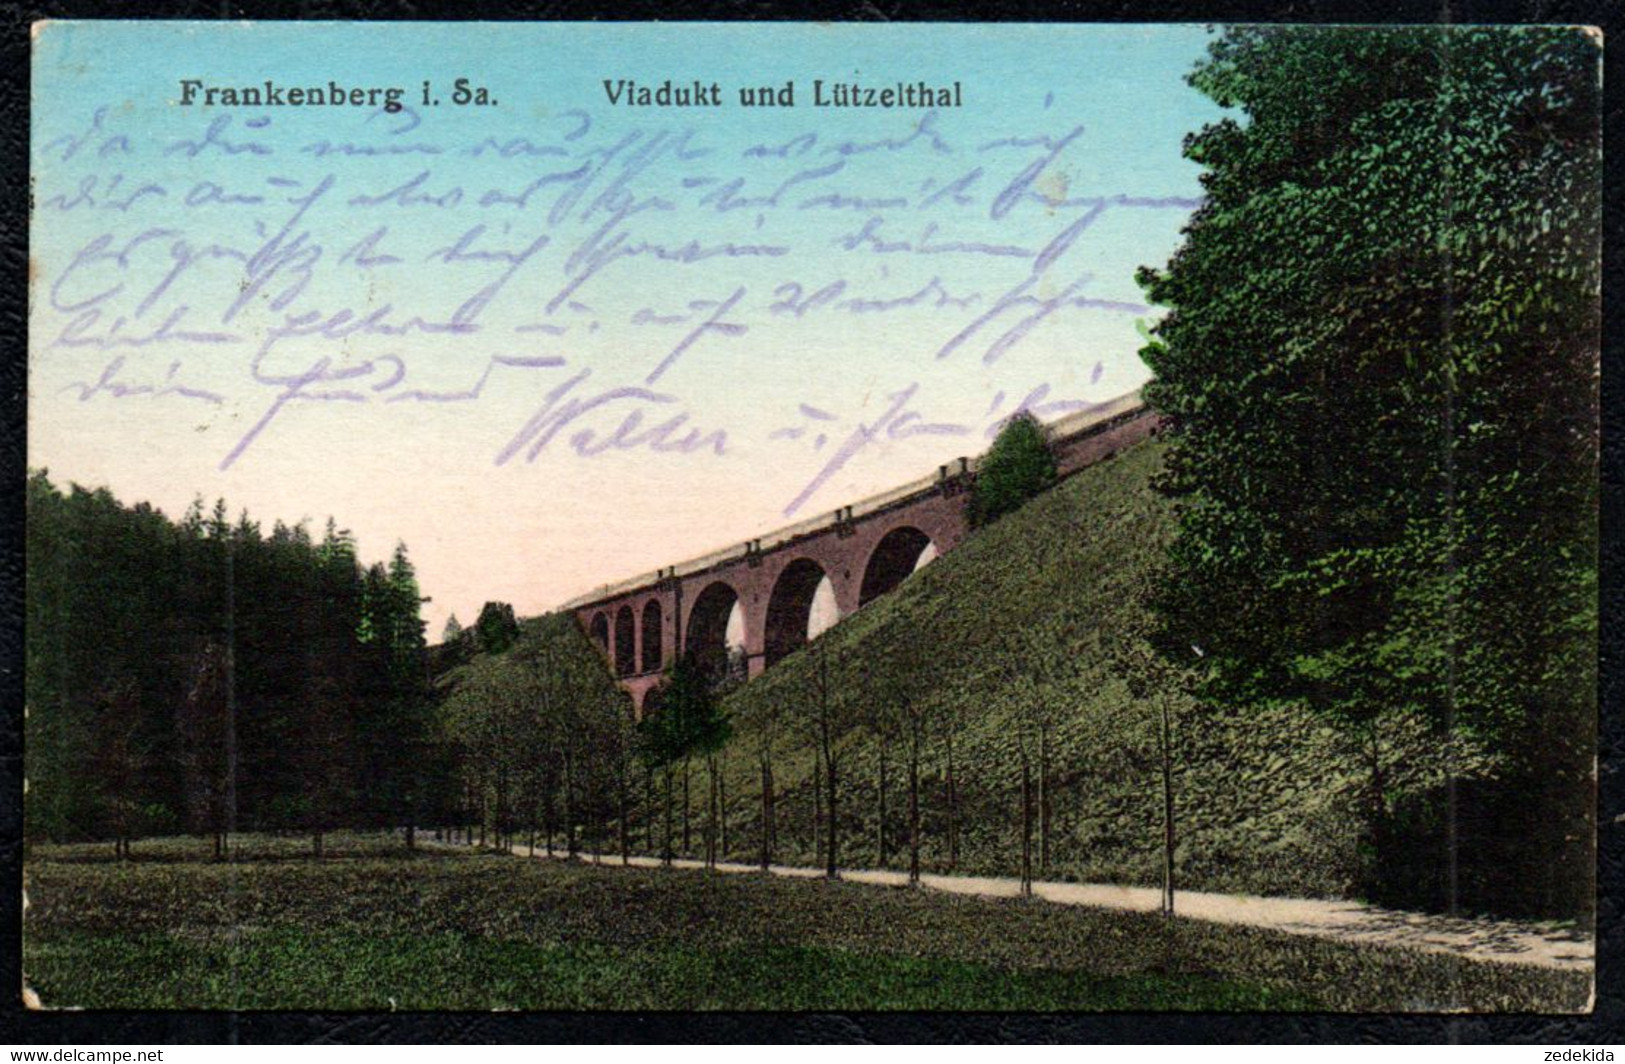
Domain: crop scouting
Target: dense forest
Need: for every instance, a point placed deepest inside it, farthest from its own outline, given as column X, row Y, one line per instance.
column 204, row 676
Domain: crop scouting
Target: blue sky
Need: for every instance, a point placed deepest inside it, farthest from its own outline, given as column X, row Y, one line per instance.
column 649, row 330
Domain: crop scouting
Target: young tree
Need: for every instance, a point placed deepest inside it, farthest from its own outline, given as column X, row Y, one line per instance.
column 623, row 746
column 229, row 664
column 908, row 715
column 206, row 730
column 829, row 719
column 1016, row 667
column 766, row 720
column 121, row 759
column 1379, row 378
column 948, row 721
column 883, row 726
column 1018, row 466
column 1154, row 682
column 456, row 647
column 687, row 721
column 1034, row 672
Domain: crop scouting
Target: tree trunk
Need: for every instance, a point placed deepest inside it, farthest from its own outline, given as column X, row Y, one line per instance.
column 1026, row 828
column 767, row 813
column 686, row 800
column 831, row 867
column 317, row 845
column 499, row 815
column 626, row 806
column 722, row 806
column 818, row 804
column 1379, row 805
column 1043, row 802
column 547, row 811
column 411, row 835
column 880, row 828
column 1167, row 813
column 953, row 809
column 571, row 847
column 665, row 851
column 914, row 813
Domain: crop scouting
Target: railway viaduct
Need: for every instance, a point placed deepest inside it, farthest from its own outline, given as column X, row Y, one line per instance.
column 866, row 549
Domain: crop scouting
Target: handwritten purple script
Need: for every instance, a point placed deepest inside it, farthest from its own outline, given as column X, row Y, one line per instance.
column 610, row 287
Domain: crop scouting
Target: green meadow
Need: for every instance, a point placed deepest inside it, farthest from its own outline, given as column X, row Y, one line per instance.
column 373, row 926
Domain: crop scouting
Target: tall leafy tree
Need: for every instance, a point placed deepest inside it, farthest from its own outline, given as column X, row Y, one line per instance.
column 1379, row 371
column 682, row 720
column 830, row 714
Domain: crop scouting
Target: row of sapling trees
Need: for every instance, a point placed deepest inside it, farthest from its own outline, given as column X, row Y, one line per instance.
column 848, row 705
column 846, row 702
column 543, row 738
column 880, row 698
column 881, row 704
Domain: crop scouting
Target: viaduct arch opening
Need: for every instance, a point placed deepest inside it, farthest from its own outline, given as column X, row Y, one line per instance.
column 896, row 556
column 600, row 633
column 707, row 639
column 789, row 608
column 653, row 651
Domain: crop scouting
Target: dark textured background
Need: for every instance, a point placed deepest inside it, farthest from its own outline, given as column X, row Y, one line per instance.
column 54, row 1029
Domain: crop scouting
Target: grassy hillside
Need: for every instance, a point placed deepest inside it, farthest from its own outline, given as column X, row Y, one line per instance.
column 1264, row 800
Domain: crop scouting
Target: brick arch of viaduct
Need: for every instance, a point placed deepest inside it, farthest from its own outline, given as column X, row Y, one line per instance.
column 642, row 628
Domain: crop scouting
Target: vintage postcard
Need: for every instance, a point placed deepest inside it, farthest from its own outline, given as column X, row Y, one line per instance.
column 812, row 517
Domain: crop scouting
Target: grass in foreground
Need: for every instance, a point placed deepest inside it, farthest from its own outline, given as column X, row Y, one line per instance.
column 377, row 928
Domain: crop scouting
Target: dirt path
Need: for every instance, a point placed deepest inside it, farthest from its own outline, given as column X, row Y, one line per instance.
column 1503, row 941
